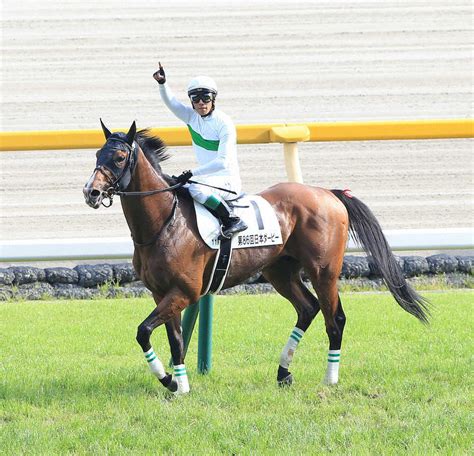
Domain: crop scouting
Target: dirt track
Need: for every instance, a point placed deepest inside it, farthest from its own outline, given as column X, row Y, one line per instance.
column 65, row 64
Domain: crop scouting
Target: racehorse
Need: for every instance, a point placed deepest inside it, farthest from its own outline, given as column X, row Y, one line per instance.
column 175, row 264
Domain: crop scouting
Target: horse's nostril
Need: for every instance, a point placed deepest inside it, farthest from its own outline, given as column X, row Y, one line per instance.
column 95, row 193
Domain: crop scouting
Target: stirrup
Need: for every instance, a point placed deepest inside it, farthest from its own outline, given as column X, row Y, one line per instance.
column 228, row 231
column 223, row 236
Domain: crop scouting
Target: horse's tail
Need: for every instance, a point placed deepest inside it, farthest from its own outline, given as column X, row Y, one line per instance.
column 366, row 231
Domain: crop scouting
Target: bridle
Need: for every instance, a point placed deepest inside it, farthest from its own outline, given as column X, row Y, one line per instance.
column 117, row 186
column 118, row 183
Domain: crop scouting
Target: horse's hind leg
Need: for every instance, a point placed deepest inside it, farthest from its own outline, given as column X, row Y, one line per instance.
column 284, row 275
column 325, row 285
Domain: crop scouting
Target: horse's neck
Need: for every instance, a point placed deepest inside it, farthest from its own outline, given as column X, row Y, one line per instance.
column 146, row 215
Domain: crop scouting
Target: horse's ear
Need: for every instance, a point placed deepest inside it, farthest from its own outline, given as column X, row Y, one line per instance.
column 131, row 134
column 106, row 131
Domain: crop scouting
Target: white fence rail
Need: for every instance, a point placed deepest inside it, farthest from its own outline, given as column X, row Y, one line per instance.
column 122, row 247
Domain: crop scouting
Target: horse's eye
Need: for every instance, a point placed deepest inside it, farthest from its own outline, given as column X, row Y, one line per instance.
column 120, row 159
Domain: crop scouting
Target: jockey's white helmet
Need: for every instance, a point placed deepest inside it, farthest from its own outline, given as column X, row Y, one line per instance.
column 202, row 84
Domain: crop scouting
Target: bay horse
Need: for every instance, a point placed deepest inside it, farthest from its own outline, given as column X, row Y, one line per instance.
column 175, row 264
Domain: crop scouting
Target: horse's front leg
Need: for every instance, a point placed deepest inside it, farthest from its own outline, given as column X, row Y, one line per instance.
column 168, row 309
column 175, row 338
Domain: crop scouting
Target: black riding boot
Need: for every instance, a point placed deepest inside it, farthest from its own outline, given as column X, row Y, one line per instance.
column 231, row 224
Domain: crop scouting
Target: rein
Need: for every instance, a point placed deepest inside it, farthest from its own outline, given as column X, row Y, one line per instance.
column 150, row 192
column 109, row 194
column 169, row 189
column 111, row 191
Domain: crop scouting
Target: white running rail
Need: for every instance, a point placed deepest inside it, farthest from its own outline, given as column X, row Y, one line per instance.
column 122, row 247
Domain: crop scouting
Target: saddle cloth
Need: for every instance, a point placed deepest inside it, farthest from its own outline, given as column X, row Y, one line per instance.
column 263, row 228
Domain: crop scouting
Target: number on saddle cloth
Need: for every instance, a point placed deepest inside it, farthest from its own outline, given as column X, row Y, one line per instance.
column 263, row 227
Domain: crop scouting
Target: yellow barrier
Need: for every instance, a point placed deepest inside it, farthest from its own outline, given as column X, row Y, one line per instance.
column 287, row 134
column 254, row 134
column 403, row 129
column 92, row 139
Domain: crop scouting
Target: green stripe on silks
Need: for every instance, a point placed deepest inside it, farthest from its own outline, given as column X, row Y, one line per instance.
column 212, row 202
column 208, row 144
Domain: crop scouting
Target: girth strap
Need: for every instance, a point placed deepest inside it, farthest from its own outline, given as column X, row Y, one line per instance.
column 221, row 267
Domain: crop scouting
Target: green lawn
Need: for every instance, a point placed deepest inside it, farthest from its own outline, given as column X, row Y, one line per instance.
column 73, row 380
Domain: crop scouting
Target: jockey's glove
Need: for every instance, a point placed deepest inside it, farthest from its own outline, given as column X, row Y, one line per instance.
column 160, row 76
column 183, row 177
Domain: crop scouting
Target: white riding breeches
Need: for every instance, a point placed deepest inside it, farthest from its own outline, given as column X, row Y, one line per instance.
column 201, row 193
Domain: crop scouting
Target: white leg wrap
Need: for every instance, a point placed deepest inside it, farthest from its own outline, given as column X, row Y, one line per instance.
column 289, row 349
column 155, row 364
column 181, row 378
column 332, row 372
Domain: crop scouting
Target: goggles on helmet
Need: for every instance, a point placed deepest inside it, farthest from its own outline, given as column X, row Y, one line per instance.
column 206, row 97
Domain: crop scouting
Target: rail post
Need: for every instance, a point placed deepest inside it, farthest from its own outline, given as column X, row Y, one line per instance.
column 204, row 308
column 189, row 321
column 290, row 136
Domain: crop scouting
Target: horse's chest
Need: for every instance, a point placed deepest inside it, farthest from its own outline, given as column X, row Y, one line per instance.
column 160, row 269
column 153, row 274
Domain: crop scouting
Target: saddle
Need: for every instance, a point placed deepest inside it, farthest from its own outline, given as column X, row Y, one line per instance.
column 263, row 229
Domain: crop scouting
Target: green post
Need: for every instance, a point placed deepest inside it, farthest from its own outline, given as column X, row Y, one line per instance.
column 204, row 308
column 205, row 334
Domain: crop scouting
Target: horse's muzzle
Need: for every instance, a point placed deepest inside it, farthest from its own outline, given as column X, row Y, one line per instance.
column 92, row 196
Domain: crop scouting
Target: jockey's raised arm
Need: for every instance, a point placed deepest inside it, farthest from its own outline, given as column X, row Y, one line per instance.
column 214, row 142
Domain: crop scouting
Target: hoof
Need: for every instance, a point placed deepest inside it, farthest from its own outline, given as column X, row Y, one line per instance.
column 181, row 392
column 330, row 381
column 285, row 382
column 173, row 387
column 284, row 378
column 169, row 383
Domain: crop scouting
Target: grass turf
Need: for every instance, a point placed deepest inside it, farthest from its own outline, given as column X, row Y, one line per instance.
column 73, row 380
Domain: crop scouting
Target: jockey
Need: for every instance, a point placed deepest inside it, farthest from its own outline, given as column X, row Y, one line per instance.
column 215, row 145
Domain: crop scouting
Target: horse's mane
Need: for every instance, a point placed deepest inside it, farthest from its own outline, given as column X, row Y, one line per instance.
column 153, row 148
